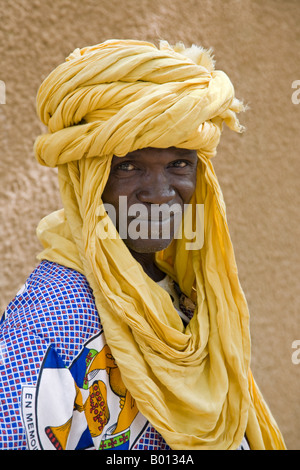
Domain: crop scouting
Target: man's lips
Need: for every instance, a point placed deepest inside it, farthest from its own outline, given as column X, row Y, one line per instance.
column 155, row 227
column 160, row 217
column 154, row 219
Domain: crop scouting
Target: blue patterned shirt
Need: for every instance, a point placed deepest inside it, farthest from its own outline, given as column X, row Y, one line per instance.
column 59, row 385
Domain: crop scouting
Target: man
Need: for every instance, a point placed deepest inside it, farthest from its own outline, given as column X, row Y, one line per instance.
column 133, row 332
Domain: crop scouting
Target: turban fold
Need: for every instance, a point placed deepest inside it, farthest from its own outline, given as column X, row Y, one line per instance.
column 194, row 383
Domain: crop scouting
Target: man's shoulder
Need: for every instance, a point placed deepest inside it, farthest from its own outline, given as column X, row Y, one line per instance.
column 53, row 294
column 52, row 283
column 57, row 279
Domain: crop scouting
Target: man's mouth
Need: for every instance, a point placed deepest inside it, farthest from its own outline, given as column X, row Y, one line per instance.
column 157, row 227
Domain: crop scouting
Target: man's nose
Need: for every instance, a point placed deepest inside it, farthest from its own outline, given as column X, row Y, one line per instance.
column 155, row 189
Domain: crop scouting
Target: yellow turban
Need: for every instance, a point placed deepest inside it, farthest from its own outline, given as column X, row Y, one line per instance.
column 194, row 384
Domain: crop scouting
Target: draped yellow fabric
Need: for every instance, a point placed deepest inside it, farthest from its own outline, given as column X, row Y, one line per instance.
column 194, row 384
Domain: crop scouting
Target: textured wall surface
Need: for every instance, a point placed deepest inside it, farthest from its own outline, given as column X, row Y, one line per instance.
column 258, row 44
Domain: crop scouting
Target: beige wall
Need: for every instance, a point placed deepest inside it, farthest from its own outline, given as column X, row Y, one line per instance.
column 258, row 44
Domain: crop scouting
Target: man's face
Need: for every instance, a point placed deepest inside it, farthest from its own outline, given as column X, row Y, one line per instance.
column 153, row 181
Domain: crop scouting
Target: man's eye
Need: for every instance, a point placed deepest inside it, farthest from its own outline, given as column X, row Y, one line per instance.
column 180, row 164
column 125, row 166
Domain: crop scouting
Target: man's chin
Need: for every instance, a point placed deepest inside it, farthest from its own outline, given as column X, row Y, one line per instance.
column 147, row 246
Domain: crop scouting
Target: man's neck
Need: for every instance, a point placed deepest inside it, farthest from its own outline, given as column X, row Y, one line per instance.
column 147, row 261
